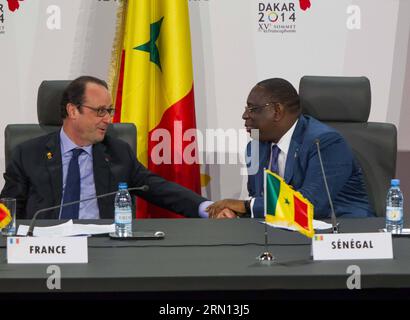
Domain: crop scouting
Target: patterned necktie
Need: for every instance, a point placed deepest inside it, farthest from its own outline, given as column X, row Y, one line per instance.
column 72, row 187
column 274, row 159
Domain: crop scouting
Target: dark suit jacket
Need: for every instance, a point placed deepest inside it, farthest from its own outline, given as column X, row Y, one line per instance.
column 34, row 178
column 302, row 171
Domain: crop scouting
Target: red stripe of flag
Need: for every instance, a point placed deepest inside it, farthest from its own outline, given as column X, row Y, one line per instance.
column 118, row 100
column 301, row 213
column 187, row 175
column 3, row 215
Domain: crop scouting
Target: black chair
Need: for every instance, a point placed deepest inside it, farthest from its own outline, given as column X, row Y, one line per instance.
column 344, row 103
column 49, row 118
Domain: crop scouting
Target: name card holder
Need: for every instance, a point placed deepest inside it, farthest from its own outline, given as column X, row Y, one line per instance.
column 47, row 250
column 352, row 246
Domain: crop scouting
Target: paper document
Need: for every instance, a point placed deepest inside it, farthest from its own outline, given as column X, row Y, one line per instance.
column 67, row 229
column 317, row 225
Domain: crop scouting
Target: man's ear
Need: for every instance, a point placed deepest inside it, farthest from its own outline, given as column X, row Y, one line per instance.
column 278, row 111
column 72, row 110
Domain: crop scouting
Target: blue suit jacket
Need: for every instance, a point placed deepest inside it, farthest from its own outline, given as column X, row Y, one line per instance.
column 344, row 176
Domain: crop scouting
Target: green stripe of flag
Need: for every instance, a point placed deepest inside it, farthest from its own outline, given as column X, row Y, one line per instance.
column 272, row 193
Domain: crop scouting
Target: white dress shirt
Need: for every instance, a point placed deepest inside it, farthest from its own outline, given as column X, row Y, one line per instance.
column 283, row 144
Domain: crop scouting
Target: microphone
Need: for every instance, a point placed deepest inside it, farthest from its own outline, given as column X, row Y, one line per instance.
column 335, row 225
column 30, row 231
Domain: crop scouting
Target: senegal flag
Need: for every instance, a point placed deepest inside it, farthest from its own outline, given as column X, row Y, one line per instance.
column 285, row 206
column 153, row 88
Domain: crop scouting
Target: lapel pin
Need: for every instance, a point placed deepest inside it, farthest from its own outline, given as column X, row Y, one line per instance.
column 49, row 155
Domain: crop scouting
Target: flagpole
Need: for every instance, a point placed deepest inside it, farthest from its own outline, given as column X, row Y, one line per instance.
column 265, row 197
column 266, row 236
column 265, row 256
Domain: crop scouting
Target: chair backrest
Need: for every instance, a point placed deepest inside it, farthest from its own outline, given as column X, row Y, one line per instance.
column 49, row 118
column 344, row 103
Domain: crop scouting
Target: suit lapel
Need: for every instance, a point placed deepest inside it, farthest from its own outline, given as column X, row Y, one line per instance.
column 102, row 175
column 294, row 147
column 54, row 168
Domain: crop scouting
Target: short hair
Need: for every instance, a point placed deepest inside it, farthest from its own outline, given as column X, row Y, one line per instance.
column 74, row 93
column 282, row 91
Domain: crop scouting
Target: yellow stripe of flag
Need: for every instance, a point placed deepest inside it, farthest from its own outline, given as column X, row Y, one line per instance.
column 153, row 83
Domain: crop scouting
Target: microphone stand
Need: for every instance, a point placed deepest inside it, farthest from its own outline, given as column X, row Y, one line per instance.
column 33, row 220
column 335, row 225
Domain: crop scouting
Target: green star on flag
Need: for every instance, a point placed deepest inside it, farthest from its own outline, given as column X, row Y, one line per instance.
column 151, row 46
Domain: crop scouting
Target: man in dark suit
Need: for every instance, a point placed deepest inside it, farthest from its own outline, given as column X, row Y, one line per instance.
column 39, row 174
column 287, row 145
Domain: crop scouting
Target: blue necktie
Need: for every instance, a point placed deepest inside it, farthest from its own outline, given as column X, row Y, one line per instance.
column 274, row 159
column 72, row 187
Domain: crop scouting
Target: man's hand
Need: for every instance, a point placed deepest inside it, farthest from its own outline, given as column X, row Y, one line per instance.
column 236, row 205
column 226, row 214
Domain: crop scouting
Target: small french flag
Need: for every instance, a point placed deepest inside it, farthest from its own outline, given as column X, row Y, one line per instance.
column 11, row 241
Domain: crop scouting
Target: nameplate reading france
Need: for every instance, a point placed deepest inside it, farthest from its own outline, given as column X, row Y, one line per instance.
column 47, row 250
column 352, row 246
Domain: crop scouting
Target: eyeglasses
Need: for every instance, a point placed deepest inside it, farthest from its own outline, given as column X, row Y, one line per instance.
column 257, row 109
column 101, row 112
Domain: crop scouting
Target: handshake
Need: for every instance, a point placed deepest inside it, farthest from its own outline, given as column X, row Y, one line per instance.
column 226, row 209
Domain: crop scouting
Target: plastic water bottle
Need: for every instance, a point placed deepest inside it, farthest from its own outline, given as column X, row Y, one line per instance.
column 394, row 208
column 123, row 211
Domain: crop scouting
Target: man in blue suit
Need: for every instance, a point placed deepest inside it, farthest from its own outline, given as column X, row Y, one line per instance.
column 287, row 145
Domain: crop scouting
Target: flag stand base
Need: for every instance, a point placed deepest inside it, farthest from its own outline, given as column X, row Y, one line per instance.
column 266, row 256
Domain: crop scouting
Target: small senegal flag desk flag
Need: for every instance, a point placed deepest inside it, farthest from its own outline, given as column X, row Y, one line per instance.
column 287, row 207
column 5, row 216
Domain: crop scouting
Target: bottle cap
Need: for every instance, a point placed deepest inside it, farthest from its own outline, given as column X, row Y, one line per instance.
column 395, row 182
column 122, row 185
